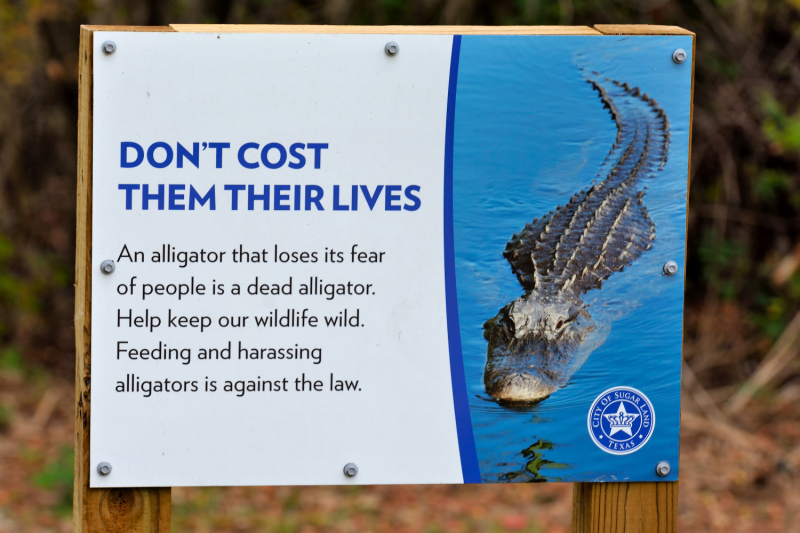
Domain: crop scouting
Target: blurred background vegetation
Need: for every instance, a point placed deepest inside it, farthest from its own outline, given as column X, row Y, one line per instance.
column 743, row 271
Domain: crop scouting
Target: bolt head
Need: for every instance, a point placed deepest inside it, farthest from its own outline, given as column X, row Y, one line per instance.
column 679, row 55
column 350, row 470
column 107, row 266
column 670, row 268
column 662, row 468
column 391, row 48
column 104, row 469
column 109, row 47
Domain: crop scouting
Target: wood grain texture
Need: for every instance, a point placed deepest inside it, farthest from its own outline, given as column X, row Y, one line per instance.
column 98, row 510
column 625, row 507
column 640, row 29
column 379, row 30
column 101, row 27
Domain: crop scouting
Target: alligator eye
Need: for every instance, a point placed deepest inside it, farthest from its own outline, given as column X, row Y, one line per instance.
column 560, row 323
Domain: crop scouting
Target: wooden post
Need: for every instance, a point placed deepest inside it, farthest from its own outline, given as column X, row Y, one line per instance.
column 137, row 510
column 625, row 507
column 630, row 507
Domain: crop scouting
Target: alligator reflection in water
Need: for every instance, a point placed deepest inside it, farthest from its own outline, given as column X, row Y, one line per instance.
column 536, row 341
column 536, row 463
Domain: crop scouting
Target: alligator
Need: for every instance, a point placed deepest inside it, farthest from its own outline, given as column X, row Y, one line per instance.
column 536, row 341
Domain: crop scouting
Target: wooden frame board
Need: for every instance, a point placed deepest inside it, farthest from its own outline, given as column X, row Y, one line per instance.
column 598, row 507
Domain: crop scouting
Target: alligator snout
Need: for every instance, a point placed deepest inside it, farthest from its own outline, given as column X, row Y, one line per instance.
column 517, row 387
column 532, row 346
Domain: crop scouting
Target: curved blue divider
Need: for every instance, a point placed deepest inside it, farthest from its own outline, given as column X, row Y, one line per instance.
column 466, row 440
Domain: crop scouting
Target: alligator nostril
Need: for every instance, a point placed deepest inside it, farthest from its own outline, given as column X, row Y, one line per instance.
column 560, row 323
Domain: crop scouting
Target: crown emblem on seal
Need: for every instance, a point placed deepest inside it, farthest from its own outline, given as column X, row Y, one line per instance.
column 621, row 420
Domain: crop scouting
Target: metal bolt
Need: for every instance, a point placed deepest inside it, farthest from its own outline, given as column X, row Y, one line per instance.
column 104, row 469
column 662, row 468
column 391, row 48
column 670, row 268
column 350, row 470
column 109, row 47
column 107, row 266
column 679, row 55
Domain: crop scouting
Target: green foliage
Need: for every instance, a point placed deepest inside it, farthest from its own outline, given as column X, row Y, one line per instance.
column 28, row 281
column 729, row 70
column 770, row 316
column 11, row 361
column 12, row 365
column 292, row 501
column 58, row 476
column 725, row 264
column 794, row 286
column 6, row 416
column 782, row 129
column 771, row 184
column 57, row 472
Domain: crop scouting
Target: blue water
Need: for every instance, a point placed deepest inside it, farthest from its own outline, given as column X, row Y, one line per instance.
column 529, row 133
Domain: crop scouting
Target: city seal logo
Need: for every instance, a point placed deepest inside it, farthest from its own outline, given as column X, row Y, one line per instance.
column 621, row 420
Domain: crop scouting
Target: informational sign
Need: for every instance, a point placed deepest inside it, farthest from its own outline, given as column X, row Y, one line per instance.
column 379, row 259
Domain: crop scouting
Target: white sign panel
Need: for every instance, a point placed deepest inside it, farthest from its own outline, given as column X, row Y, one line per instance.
column 270, row 333
column 300, row 244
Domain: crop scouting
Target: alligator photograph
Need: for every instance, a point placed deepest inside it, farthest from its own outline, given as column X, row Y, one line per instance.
column 535, row 340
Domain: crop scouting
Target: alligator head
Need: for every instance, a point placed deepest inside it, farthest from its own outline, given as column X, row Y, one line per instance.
column 532, row 346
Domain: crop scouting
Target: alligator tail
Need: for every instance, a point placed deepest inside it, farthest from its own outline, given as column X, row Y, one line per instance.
column 605, row 227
